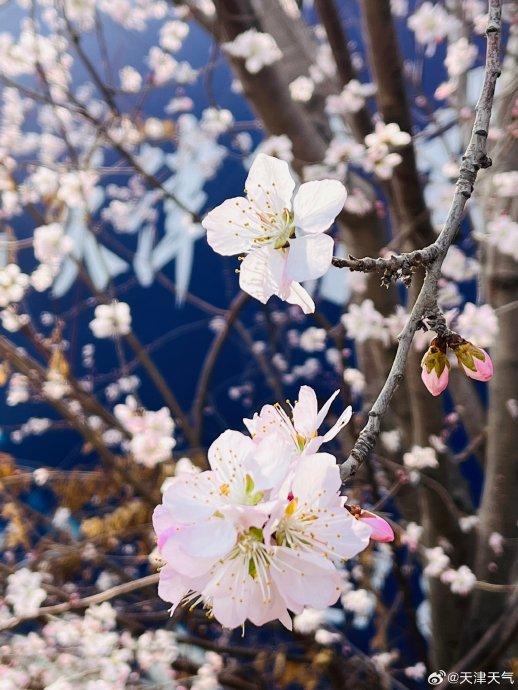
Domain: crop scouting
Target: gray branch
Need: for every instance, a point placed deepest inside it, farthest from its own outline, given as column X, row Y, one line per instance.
column 474, row 159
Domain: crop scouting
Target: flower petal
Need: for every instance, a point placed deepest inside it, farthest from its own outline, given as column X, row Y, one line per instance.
column 316, row 481
column 210, row 539
column 317, row 204
column 381, row 530
column 305, row 412
column 305, row 578
column 342, row 420
column 309, row 257
column 228, row 457
column 191, row 498
column 269, row 184
column 298, row 295
column 171, row 587
column 227, row 233
column 261, row 273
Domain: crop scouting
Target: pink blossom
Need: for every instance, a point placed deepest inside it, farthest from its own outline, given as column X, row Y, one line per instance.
column 249, row 539
column 301, row 430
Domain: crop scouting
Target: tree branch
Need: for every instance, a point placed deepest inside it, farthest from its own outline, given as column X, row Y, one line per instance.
column 474, row 159
column 75, row 605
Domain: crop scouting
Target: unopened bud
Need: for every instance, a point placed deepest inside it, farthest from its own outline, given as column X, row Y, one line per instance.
column 475, row 361
column 435, row 368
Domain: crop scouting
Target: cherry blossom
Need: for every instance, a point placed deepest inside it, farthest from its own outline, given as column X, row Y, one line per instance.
column 412, row 535
column 51, row 244
column 111, row 320
column 152, row 432
column 388, row 135
column 363, row 322
column 301, row 89
column 381, row 161
column 351, row 99
column 503, row 234
column 283, row 239
column 478, row 324
column 381, row 530
column 130, row 79
column 430, row 23
column 24, row 591
column 13, row 284
column 461, row 581
column 301, row 430
column 419, row 458
column 257, row 49
column 460, row 57
column 437, row 561
column 234, row 536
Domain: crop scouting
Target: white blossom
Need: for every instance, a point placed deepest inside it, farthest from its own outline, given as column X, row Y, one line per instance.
column 301, row 89
column 111, row 320
column 13, row 284
column 419, row 458
column 24, row 592
column 257, row 49
column 478, row 324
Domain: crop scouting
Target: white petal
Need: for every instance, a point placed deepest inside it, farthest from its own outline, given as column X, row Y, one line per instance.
column 305, row 412
column 191, row 498
column 342, row 533
column 325, row 409
column 186, row 565
column 342, row 420
column 171, row 587
column 317, row 204
column 316, row 481
column 228, row 456
column 269, row 183
column 298, row 295
column 305, row 578
column 210, row 539
column 309, row 257
column 273, row 456
column 227, row 233
column 261, row 273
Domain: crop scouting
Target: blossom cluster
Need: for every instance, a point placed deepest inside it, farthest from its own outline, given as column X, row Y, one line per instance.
column 261, row 533
column 88, row 652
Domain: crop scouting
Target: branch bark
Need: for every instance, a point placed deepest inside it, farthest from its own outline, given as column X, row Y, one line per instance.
column 474, row 159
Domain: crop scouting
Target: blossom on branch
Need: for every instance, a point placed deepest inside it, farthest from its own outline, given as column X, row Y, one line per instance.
column 260, row 534
column 256, row 48
column 282, row 236
column 111, row 320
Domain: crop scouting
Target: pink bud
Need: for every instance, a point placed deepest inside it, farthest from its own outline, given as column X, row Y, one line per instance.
column 435, row 367
column 483, row 367
column 381, row 530
column 435, row 384
column 475, row 361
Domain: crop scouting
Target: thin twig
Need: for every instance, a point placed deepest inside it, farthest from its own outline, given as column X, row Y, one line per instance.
column 474, row 159
column 84, row 603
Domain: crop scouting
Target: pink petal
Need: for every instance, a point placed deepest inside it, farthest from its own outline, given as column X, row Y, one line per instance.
column 381, row 530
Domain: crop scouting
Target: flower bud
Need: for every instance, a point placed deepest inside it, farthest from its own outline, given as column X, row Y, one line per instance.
column 381, row 530
column 435, row 368
column 475, row 361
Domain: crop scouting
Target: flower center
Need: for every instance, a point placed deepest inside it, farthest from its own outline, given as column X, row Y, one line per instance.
column 277, row 228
